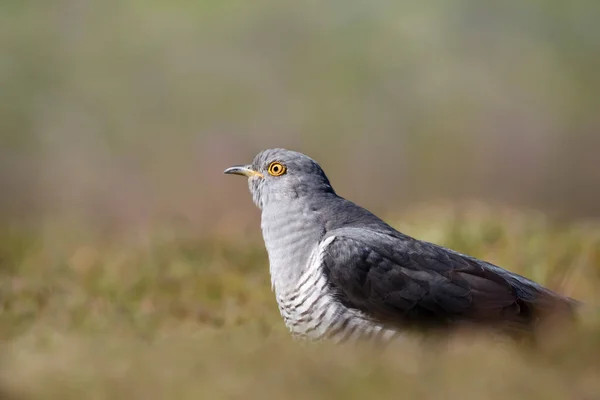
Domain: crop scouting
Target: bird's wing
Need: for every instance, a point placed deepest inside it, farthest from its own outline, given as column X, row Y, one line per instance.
column 403, row 281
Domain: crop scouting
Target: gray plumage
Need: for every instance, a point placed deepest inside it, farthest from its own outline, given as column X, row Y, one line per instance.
column 340, row 272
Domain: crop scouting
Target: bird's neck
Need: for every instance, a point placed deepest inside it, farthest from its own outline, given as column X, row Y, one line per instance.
column 291, row 230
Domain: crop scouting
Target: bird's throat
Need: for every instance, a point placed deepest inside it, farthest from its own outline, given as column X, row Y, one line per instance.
column 290, row 232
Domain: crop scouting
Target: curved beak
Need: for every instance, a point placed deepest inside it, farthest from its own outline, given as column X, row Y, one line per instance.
column 244, row 170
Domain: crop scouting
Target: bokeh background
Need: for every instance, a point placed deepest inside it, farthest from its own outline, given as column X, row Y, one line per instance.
column 472, row 124
column 128, row 111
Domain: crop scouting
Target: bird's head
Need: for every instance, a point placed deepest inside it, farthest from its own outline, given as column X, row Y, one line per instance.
column 278, row 175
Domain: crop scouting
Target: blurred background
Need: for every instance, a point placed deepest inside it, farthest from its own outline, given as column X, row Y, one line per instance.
column 131, row 267
column 124, row 112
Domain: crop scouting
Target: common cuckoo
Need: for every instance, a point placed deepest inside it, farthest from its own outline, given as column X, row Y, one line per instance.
column 340, row 272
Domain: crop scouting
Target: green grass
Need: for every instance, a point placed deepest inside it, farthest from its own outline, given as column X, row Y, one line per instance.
column 163, row 314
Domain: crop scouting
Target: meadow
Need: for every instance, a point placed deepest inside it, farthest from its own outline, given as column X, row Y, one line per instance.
column 166, row 315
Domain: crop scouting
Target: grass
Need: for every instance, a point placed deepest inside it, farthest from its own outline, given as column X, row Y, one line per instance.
column 164, row 315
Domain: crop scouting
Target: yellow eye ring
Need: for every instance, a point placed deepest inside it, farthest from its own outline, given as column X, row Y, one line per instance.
column 276, row 169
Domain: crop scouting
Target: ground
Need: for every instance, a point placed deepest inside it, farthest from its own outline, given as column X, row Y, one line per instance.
column 169, row 315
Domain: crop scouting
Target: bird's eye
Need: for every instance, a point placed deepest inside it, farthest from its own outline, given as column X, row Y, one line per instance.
column 276, row 169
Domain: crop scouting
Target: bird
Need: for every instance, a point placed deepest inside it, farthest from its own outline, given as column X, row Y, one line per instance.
column 341, row 273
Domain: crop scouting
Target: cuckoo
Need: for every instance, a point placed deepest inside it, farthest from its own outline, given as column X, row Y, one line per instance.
column 340, row 272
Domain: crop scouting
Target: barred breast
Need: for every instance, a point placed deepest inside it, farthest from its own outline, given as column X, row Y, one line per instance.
column 311, row 311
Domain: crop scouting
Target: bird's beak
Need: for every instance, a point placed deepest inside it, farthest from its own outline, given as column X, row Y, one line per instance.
column 244, row 170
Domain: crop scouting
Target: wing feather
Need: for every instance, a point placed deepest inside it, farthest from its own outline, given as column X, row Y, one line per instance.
column 402, row 281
